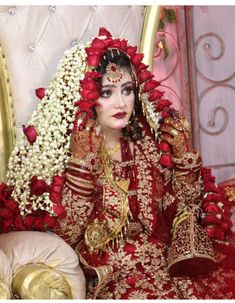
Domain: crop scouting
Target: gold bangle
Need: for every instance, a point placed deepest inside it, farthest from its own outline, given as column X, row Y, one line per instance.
column 190, row 160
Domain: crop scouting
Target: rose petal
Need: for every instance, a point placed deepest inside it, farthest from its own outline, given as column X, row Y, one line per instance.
column 150, row 85
column 162, row 104
column 104, row 32
column 164, row 146
column 144, row 76
column 166, row 161
column 59, row 210
column 38, row 186
column 155, row 95
column 30, row 133
column 40, row 92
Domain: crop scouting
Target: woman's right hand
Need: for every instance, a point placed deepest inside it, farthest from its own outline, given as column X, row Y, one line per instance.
column 85, row 141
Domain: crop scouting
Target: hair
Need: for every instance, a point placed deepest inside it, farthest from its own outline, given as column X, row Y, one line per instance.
column 117, row 56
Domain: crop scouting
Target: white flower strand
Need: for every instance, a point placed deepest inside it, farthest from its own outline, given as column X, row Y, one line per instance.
column 49, row 154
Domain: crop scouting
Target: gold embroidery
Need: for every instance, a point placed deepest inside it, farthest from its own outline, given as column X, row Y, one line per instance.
column 186, row 192
column 78, row 210
column 167, row 200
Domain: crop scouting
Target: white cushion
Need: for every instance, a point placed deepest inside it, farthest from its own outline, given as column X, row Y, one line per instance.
column 23, row 247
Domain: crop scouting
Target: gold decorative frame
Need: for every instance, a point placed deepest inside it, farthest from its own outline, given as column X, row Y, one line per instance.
column 7, row 121
column 149, row 31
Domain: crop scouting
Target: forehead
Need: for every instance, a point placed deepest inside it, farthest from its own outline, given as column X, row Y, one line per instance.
column 126, row 77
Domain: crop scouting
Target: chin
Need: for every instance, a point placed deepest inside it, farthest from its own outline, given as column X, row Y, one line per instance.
column 120, row 125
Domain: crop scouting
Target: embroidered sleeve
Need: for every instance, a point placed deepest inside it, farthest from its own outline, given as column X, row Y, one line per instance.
column 77, row 201
column 193, row 185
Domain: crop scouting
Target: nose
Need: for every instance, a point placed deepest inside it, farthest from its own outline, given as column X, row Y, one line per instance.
column 120, row 101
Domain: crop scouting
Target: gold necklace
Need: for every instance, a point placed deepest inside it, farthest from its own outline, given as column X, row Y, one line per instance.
column 112, row 150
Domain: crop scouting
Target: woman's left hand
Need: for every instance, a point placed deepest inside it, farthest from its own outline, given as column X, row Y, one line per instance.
column 176, row 131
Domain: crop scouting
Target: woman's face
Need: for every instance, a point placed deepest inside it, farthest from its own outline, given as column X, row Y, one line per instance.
column 116, row 102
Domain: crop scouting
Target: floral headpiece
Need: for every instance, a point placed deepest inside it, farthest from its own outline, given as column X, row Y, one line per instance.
column 38, row 162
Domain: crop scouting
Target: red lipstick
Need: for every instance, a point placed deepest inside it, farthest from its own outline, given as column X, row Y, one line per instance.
column 119, row 115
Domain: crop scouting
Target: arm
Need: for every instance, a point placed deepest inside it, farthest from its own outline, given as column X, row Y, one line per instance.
column 192, row 184
column 77, row 193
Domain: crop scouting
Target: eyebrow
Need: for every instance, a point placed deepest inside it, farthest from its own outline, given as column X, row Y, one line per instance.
column 114, row 86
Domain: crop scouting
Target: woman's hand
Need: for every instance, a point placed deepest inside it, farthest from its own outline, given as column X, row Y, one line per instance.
column 176, row 131
column 86, row 141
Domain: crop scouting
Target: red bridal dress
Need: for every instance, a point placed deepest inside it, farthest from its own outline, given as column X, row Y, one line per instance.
column 123, row 242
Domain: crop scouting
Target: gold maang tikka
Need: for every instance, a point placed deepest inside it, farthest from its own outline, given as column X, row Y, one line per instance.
column 114, row 73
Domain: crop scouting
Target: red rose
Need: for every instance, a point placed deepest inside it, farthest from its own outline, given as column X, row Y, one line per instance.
column 6, row 213
column 93, row 75
column 89, row 94
column 108, row 42
column 19, row 224
column 165, row 160
column 131, row 50
column 59, row 210
column 211, row 208
column 38, row 186
column 93, row 60
column 38, row 224
column 164, row 146
column 211, row 188
column 225, row 225
column 7, row 225
column 209, row 179
column 40, row 92
column 155, row 95
column 123, row 44
column 104, row 32
column 213, row 198
column 136, row 59
column 30, row 133
column 49, row 221
column 12, row 206
column 215, row 232
column 58, row 180
column 29, row 221
column 55, row 197
column 205, row 171
column 93, row 52
column 141, row 67
column 144, row 76
column 150, row 85
column 163, row 104
column 56, row 188
column 116, row 43
column 97, row 44
column 211, row 219
column 89, row 84
column 84, row 105
column 165, row 114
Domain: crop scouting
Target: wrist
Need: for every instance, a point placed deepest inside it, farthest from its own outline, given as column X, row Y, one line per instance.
column 188, row 161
